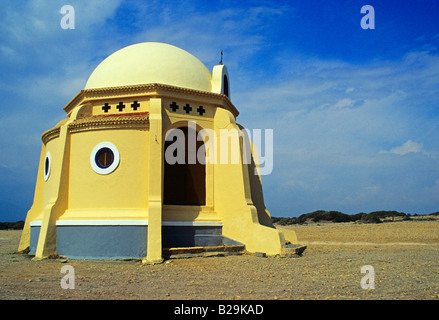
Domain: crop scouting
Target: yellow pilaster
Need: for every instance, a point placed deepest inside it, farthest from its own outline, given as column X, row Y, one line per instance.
column 58, row 201
column 155, row 184
column 37, row 205
column 234, row 199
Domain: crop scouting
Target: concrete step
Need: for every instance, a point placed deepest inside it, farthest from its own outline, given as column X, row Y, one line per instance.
column 293, row 249
column 185, row 252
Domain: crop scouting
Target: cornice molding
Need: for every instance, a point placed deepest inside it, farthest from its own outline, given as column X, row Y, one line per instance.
column 111, row 121
column 50, row 134
column 153, row 90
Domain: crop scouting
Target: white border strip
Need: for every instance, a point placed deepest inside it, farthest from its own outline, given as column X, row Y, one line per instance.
column 130, row 223
column 192, row 223
column 102, row 223
column 35, row 223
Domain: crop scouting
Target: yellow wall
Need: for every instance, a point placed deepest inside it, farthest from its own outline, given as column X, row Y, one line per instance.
column 125, row 187
column 234, row 204
column 75, row 191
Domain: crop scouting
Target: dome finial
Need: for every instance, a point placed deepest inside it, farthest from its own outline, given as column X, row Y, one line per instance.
column 221, row 61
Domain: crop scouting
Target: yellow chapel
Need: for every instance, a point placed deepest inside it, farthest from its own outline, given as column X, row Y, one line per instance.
column 113, row 183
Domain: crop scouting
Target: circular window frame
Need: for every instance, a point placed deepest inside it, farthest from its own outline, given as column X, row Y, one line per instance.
column 93, row 158
column 47, row 165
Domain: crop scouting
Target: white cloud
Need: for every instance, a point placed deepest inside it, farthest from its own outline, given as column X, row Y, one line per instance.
column 239, row 32
column 344, row 103
column 43, row 67
column 331, row 120
column 408, row 147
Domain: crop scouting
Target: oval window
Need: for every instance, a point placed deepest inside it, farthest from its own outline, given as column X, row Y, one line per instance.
column 47, row 164
column 104, row 158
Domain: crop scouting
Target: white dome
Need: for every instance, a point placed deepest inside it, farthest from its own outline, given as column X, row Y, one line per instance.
column 151, row 62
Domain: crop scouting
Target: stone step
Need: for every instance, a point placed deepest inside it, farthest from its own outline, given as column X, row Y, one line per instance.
column 293, row 249
column 201, row 251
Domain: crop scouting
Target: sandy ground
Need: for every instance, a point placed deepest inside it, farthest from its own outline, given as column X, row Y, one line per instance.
column 404, row 257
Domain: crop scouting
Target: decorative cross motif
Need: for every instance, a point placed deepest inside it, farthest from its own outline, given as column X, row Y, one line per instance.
column 106, row 107
column 120, row 106
column 201, row 110
column 187, row 108
column 173, row 106
column 135, row 105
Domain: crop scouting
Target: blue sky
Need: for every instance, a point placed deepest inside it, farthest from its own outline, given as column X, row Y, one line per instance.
column 355, row 112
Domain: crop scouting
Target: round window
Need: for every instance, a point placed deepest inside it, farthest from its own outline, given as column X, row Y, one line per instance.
column 47, row 164
column 104, row 158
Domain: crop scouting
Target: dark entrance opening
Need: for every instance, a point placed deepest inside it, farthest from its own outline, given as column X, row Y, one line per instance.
column 185, row 184
column 226, row 85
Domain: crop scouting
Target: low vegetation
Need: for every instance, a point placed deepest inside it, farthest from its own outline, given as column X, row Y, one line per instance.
column 336, row 216
column 11, row 225
column 315, row 216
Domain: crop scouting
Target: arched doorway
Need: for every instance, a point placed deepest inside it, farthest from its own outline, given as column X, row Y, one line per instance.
column 184, row 183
